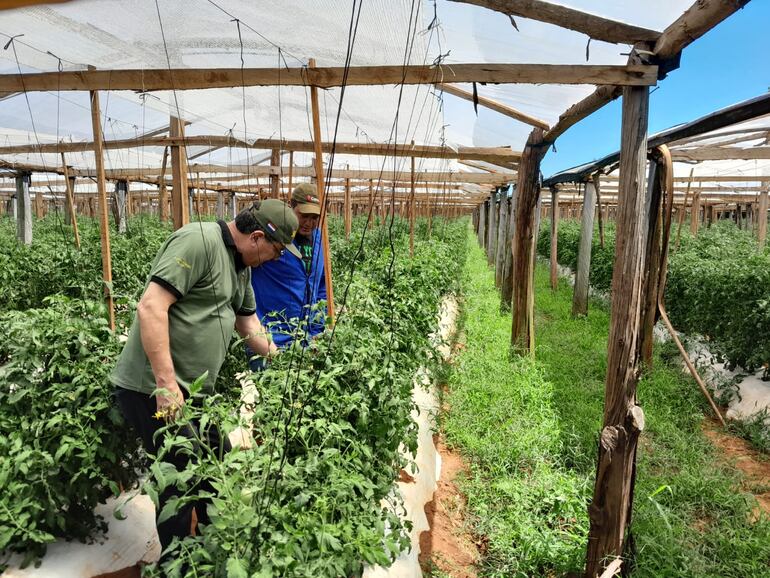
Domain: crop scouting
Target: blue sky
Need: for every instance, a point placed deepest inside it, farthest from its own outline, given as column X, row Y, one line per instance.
column 729, row 64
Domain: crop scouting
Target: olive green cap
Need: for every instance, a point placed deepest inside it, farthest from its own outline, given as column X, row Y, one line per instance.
column 278, row 221
column 306, row 197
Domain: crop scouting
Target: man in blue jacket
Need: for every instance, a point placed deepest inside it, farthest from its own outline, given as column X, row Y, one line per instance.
column 287, row 289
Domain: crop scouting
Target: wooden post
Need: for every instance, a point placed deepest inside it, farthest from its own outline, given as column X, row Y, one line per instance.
column 554, row 238
column 610, row 510
column 762, row 219
column 492, row 227
column 291, row 172
column 180, row 208
column 582, row 275
column 482, row 224
column 319, row 173
column 597, row 189
column 411, row 208
column 347, row 210
column 370, row 206
column 23, row 209
column 104, row 222
column 162, row 190
column 684, row 208
column 502, row 229
column 651, row 264
column 69, row 188
column 121, row 192
column 528, row 191
column 38, row 204
column 506, row 287
column 695, row 214
column 275, row 179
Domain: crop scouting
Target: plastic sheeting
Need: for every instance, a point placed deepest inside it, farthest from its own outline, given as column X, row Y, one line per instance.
column 114, row 34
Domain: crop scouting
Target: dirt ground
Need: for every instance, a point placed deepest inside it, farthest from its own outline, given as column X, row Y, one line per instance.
column 448, row 546
column 739, row 452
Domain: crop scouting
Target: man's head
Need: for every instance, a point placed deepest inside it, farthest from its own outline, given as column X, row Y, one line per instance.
column 307, row 208
column 265, row 230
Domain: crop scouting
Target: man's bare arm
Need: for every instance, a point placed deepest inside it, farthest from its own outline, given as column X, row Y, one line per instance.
column 257, row 337
column 152, row 313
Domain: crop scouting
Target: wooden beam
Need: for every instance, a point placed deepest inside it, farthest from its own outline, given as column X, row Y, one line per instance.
column 149, row 80
column 701, row 17
column 714, row 153
column 496, row 155
column 596, row 27
column 581, row 110
column 493, row 105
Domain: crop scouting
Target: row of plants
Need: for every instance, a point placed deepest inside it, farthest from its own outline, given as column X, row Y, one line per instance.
column 718, row 286
column 528, row 429
column 328, row 419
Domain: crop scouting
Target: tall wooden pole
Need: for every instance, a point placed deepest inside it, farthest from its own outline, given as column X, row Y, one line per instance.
column 347, row 213
column 610, row 510
column 291, row 172
column 598, row 189
column 104, row 222
column 275, row 179
column 582, row 275
column 411, row 209
column 684, row 209
column 528, row 192
column 319, row 172
column 695, row 214
column 180, row 199
column 554, row 238
column 762, row 219
column 506, row 285
column 70, row 194
column 23, row 209
column 162, row 190
column 370, row 208
column 651, row 263
column 502, row 230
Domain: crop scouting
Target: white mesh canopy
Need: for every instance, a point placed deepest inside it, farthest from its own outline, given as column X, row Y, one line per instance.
column 121, row 34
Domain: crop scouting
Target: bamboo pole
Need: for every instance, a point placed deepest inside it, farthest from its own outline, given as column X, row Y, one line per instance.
column 101, row 185
column 291, row 172
column 321, row 197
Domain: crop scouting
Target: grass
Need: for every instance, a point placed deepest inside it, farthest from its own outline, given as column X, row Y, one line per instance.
column 529, row 430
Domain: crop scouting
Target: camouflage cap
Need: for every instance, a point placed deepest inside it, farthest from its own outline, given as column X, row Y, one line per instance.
column 306, row 197
column 278, row 222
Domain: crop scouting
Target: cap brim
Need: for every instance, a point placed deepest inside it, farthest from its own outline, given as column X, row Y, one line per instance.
column 291, row 248
column 309, row 209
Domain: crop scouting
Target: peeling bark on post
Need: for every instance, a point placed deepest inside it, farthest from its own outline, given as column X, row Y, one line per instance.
column 528, row 191
column 580, row 293
column 554, row 238
column 610, row 510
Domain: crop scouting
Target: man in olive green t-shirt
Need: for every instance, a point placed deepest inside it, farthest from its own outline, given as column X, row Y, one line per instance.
column 198, row 290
